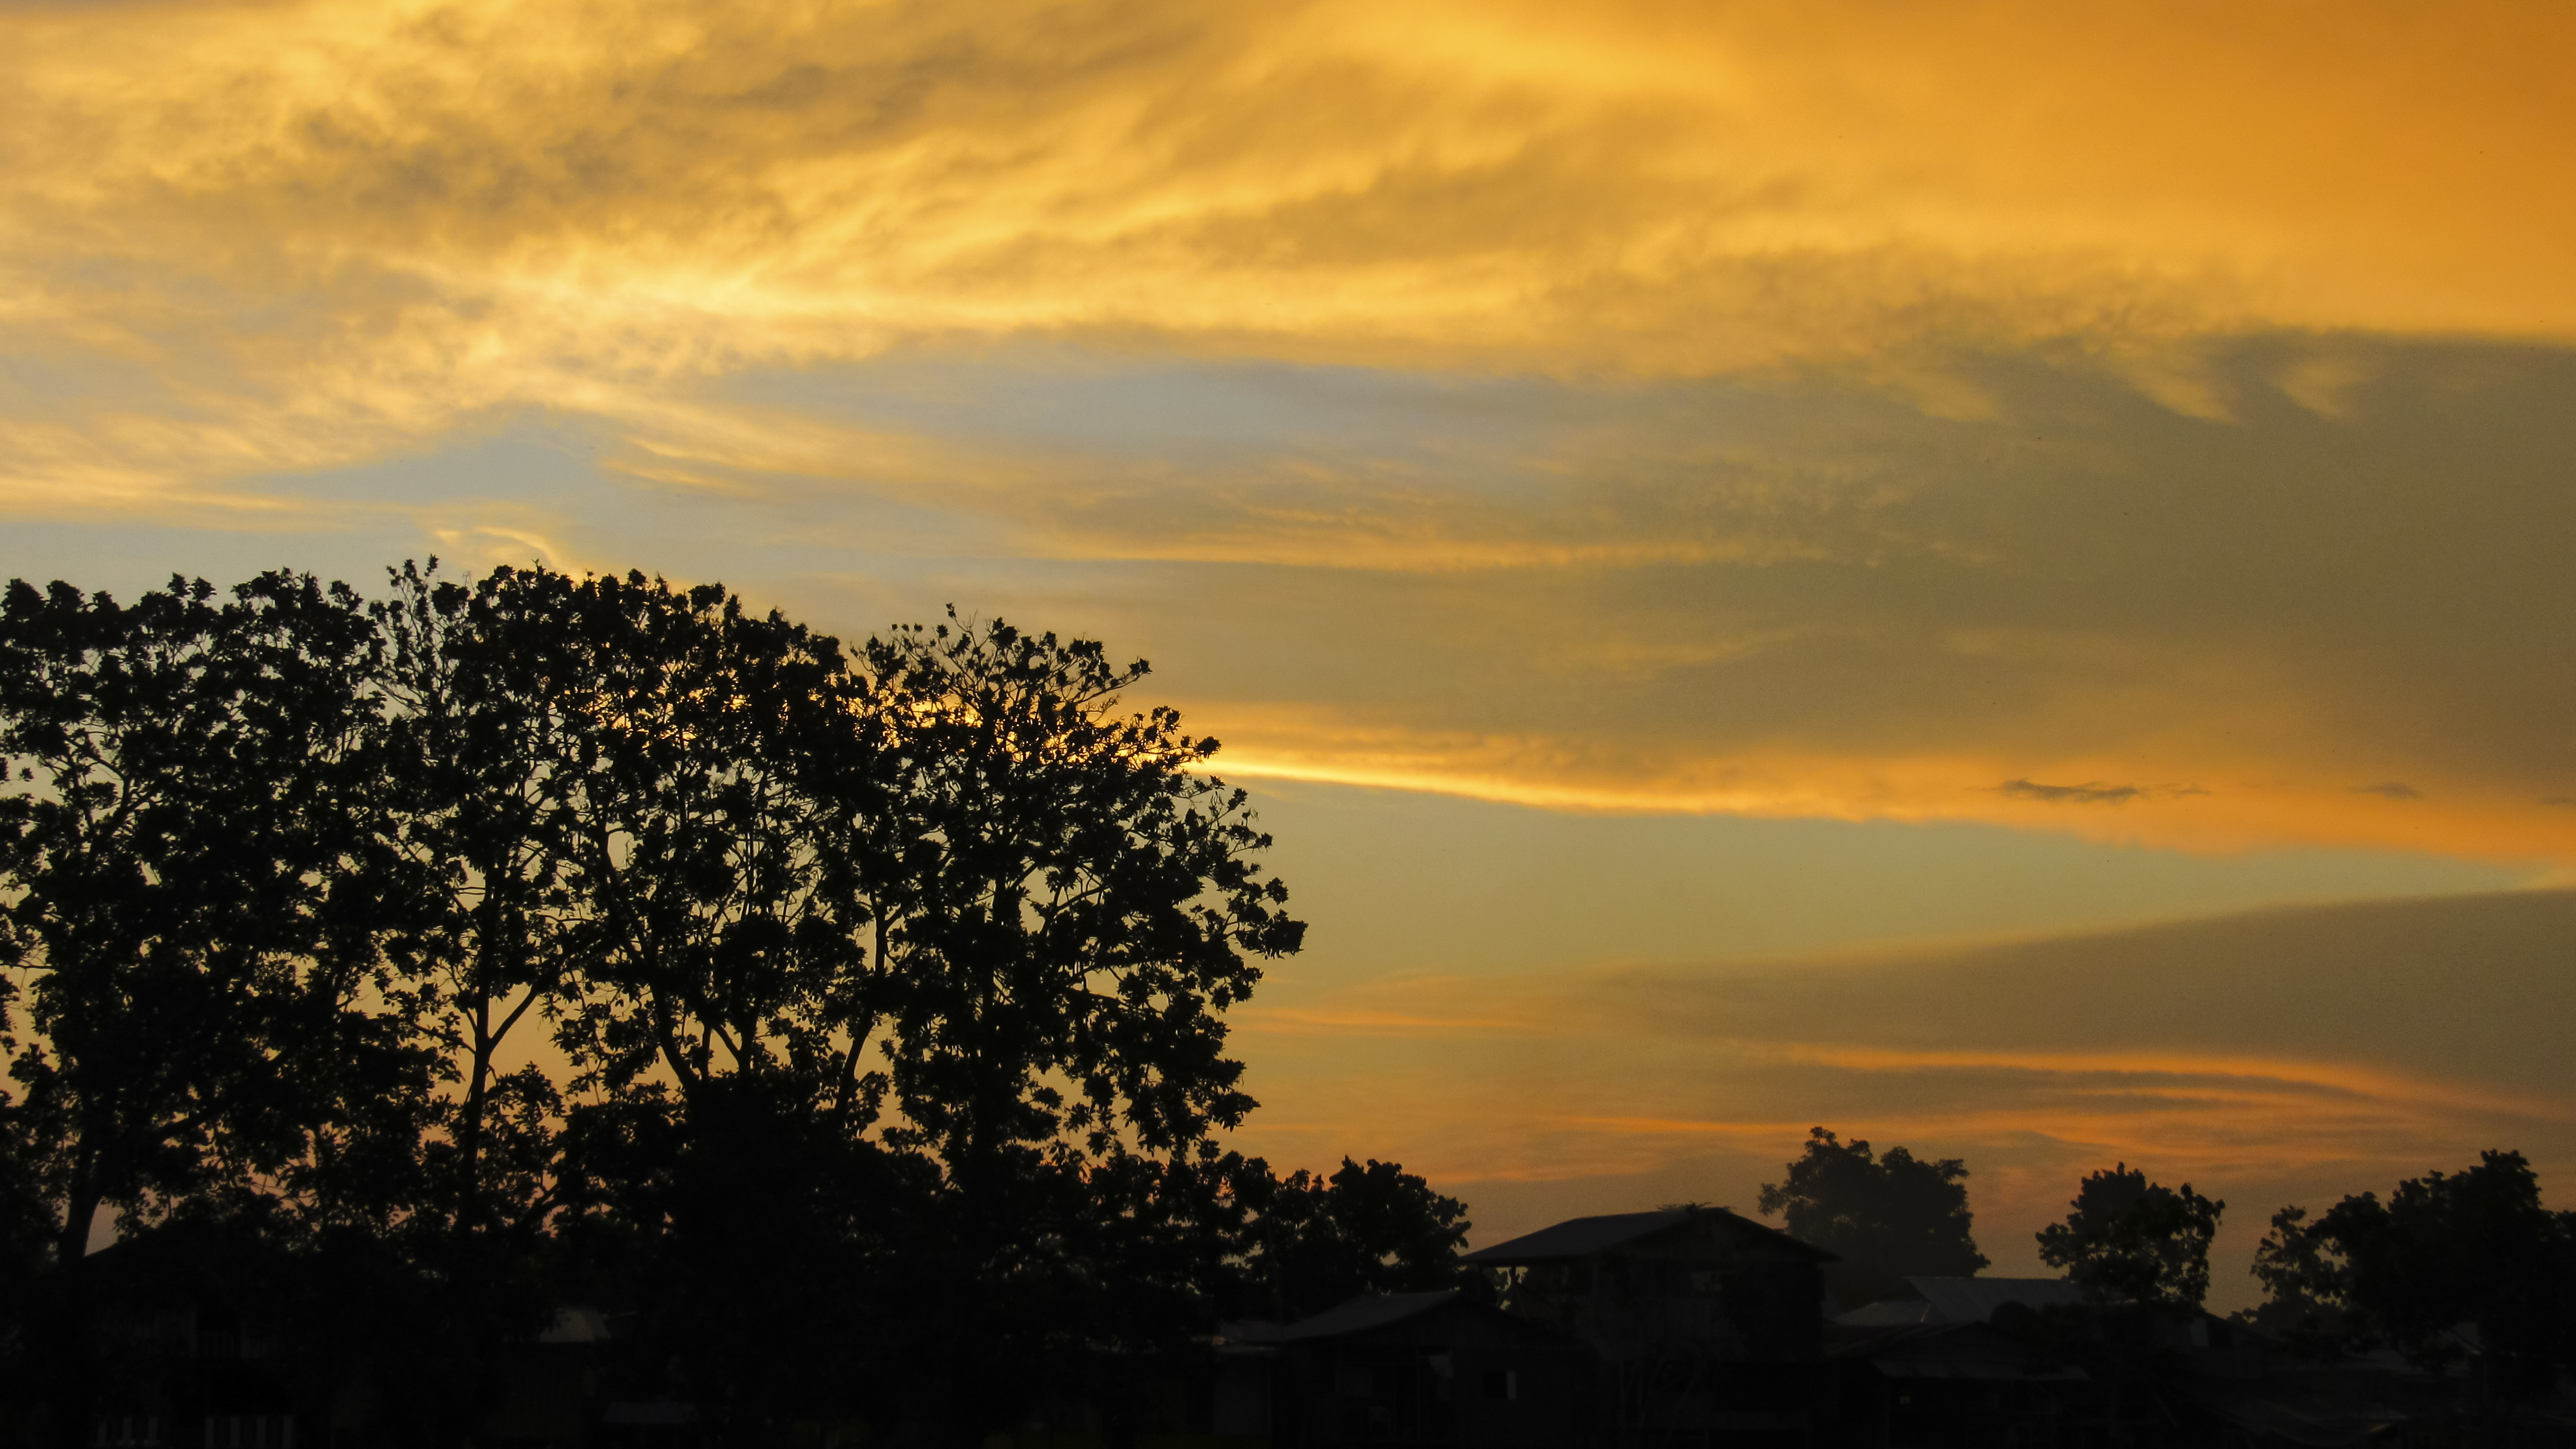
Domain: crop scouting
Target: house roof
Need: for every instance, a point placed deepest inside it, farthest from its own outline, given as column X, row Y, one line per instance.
column 1888, row 1313
column 1369, row 1310
column 1582, row 1237
column 1961, row 1300
column 578, row 1324
column 2294, row 1412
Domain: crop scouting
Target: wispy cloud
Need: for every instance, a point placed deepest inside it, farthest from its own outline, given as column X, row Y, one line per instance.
column 2285, row 1055
column 2390, row 790
column 1604, row 409
column 2090, row 793
column 340, row 228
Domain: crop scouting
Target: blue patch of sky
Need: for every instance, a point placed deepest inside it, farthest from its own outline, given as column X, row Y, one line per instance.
column 1479, row 430
column 542, row 474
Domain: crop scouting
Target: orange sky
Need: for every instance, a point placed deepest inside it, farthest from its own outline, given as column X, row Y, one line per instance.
column 2140, row 430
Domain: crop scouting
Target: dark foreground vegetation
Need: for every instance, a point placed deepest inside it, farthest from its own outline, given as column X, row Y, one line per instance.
column 844, row 1025
column 2444, row 1314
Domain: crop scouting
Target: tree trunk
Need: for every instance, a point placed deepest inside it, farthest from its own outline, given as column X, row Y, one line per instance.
column 469, row 1129
column 66, row 1355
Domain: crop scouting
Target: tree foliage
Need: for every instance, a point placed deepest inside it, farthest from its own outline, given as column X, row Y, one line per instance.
column 1886, row 1217
column 906, row 965
column 2128, row 1239
column 2473, row 1249
column 1310, row 1241
column 191, row 889
column 191, row 894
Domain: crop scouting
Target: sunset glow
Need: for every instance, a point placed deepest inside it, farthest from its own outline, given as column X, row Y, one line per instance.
column 2073, row 502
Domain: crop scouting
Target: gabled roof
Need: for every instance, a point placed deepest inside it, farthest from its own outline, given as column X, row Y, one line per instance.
column 1582, row 1237
column 1961, row 1300
column 1903, row 1312
column 1369, row 1310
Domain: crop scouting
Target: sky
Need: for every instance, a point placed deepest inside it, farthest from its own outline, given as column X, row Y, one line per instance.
column 1985, row 575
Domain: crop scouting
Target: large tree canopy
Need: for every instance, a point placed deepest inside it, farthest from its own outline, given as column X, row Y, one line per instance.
column 907, row 964
column 1886, row 1217
column 190, row 884
column 192, row 898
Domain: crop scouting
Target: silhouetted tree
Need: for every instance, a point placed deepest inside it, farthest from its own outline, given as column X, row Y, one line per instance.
column 474, row 746
column 1072, row 903
column 1309, row 1241
column 944, row 907
column 2472, row 1248
column 2302, row 1278
column 1068, row 904
column 2130, row 1239
column 1887, row 1217
column 193, row 899
column 892, row 986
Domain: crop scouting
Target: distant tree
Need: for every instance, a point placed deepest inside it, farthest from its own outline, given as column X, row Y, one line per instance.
column 2130, row 1239
column 2473, row 1248
column 1886, row 1217
column 2302, row 1275
column 1309, row 1241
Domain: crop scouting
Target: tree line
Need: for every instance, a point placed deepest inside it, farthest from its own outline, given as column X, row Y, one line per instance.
column 851, row 1020
column 2451, row 1266
column 412, row 965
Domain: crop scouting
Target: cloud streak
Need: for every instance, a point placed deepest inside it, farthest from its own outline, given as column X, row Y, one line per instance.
column 2283, row 1055
column 2089, row 793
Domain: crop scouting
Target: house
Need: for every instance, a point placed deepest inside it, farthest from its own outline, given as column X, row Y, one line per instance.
column 195, row 1354
column 1687, row 1283
column 1705, row 1323
column 1419, row 1369
column 189, row 1352
column 548, row 1391
column 1948, row 1383
column 1976, row 1361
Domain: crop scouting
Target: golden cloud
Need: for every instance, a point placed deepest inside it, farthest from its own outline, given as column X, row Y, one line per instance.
column 2251, row 806
column 240, row 239
column 332, row 227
